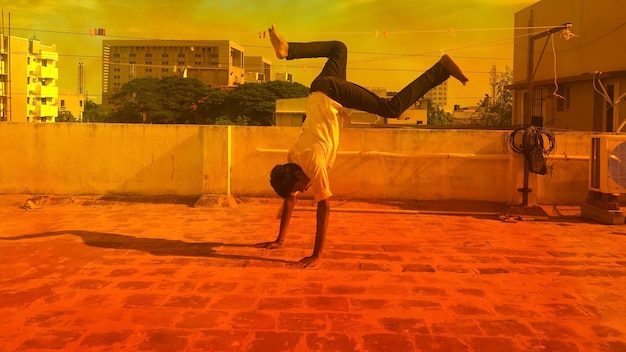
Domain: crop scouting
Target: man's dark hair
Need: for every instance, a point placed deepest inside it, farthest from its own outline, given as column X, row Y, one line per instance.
column 283, row 178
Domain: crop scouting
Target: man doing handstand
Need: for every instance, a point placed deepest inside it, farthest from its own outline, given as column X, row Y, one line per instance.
column 315, row 151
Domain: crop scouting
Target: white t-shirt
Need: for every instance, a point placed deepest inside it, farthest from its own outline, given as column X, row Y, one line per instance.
column 316, row 149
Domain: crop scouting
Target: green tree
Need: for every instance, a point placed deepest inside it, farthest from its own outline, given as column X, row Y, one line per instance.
column 152, row 100
column 93, row 113
column 211, row 107
column 436, row 115
column 178, row 96
column 65, row 116
column 500, row 112
column 248, row 104
column 183, row 100
column 285, row 90
column 253, row 101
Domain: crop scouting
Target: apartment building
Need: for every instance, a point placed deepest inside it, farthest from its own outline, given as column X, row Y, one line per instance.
column 284, row 76
column 218, row 63
column 28, row 80
column 72, row 102
column 576, row 72
column 438, row 95
column 258, row 69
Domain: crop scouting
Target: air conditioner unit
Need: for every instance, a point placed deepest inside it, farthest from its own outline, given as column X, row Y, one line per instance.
column 607, row 165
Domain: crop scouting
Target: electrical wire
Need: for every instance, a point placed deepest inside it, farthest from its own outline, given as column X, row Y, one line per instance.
column 532, row 140
column 556, row 85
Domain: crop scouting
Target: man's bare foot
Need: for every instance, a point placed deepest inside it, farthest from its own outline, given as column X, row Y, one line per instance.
column 308, row 262
column 454, row 70
column 281, row 47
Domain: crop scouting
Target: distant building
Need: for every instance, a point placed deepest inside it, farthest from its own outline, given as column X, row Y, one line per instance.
column 218, row 63
column 568, row 95
column 283, row 76
column 257, row 68
column 438, row 95
column 28, row 80
column 72, row 102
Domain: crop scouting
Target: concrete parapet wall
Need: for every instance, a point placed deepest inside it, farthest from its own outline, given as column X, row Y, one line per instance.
column 373, row 163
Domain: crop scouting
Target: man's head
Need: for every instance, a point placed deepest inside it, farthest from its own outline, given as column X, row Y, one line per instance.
column 288, row 178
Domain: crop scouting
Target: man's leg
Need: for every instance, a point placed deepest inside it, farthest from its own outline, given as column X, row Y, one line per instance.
column 335, row 51
column 353, row 96
column 332, row 79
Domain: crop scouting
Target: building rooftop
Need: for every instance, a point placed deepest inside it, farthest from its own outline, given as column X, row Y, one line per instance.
column 86, row 274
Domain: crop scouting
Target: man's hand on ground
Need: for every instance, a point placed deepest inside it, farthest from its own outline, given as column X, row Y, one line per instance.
column 269, row 245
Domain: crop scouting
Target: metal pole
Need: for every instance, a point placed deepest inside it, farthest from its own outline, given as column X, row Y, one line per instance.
column 531, row 93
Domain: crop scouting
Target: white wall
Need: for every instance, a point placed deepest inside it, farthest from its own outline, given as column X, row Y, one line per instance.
column 373, row 164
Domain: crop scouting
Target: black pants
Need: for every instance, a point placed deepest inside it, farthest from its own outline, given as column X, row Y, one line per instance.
column 332, row 81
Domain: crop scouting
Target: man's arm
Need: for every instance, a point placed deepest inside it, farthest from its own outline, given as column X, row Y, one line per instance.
column 323, row 213
column 288, row 205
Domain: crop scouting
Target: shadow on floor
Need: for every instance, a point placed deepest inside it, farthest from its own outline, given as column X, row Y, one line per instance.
column 154, row 246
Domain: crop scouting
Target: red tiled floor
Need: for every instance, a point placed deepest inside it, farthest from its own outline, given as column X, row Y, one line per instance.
column 169, row 277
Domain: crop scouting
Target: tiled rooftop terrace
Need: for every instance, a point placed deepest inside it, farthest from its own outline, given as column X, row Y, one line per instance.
column 92, row 275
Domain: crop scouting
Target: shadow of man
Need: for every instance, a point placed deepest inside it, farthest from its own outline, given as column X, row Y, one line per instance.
column 154, row 246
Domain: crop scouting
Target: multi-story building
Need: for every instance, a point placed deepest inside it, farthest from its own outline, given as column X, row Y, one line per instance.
column 72, row 102
column 578, row 82
column 258, row 69
column 284, row 76
column 438, row 95
column 218, row 63
column 28, row 80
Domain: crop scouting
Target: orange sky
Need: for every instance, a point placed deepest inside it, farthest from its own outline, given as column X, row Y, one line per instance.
column 477, row 33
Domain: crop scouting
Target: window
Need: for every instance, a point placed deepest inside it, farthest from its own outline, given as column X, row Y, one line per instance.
column 62, row 102
column 537, row 103
column 562, row 101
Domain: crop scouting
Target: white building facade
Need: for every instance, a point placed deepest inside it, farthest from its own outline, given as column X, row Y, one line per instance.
column 28, row 80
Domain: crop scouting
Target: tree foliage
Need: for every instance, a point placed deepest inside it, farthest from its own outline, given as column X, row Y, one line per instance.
column 65, row 116
column 436, row 115
column 93, row 113
column 152, row 100
column 500, row 111
column 183, row 100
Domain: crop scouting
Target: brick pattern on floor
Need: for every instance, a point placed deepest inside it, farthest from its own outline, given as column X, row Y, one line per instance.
column 169, row 277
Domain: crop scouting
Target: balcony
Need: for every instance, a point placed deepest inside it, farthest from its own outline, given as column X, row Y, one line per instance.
column 49, row 72
column 34, row 89
column 49, row 91
column 49, row 110
column 34, row 70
